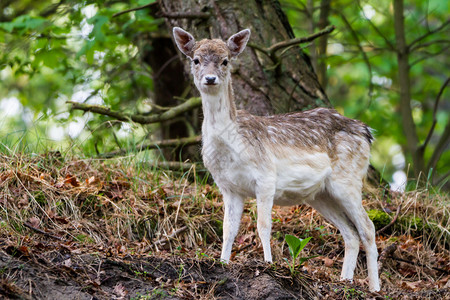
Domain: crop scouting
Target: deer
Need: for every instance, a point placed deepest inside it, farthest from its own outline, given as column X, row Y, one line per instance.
column 316, row 157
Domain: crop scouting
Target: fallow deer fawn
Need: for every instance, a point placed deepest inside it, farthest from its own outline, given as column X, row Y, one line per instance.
column 317, row 157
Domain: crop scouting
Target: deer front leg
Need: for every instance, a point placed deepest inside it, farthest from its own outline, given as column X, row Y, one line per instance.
column 264, row 203
column 233, row 205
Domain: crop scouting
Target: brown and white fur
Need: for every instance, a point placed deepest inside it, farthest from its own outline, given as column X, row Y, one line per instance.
column 317, row 157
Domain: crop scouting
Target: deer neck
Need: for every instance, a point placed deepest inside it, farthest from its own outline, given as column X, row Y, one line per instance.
column 219, row 111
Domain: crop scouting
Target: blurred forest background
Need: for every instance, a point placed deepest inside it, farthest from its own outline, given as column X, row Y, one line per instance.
column 386, row 63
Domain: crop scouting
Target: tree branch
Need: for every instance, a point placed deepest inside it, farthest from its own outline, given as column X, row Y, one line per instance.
column 388, row 43
column 134, row 9
column 436, row 103
column 42, row 231
column 141, row 119
column 363, row 53
column 175, row 165
column 156, row 145
column 443, row 25
column 429, row 55
column 306, row 39
column 412, row 49
column 275, row 47
column 388, row 251
column 440, row 147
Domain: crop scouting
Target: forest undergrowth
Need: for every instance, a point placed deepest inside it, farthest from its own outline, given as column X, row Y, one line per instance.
column 122, row 229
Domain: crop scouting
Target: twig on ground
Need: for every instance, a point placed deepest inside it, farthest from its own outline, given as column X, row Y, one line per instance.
column 174, row 165
column 41, row 231
column 399, row 208
column 387, row 252
column 166, row 238
column 235, row 251
column 418, row 264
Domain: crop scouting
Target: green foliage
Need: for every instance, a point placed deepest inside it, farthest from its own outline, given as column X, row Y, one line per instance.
column 76, row 52
column 368, row 89
column 296, row 245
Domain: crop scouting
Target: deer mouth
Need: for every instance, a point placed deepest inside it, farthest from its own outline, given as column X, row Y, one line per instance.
column 213, row 83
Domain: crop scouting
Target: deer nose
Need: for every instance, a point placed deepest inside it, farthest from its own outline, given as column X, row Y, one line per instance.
column 210, row 79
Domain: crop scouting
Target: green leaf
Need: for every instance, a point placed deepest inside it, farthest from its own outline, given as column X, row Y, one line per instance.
column 295, row 244
column 303, row 259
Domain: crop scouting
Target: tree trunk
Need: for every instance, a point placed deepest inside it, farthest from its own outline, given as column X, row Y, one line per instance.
column 409, row 128
column 322, row 42
column 260, row 87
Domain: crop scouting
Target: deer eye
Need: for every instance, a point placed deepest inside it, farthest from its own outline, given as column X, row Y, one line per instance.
column 196, row 61
column 225, row 62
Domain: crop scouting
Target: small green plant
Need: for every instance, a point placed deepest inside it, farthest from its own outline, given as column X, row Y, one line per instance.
column 296, row 245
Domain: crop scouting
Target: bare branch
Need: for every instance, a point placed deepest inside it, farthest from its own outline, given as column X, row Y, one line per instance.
column 429, row 44
column 363, row 53
column 134, row 9
column 388, row 251
column 431, row 32
column 306, row 39
column 275, row 47
column 443, row 142
column 378, row 31
column 271, row 51
column 165, row 238
column 141, row 119
column 156, row 145
column 418, row 264
column 177, row 166
column 436, row 103
column 429, row 55
column 42, row 231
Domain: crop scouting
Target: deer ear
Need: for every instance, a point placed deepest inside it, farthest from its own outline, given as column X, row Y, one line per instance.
column 237, row 42
column 184, row 40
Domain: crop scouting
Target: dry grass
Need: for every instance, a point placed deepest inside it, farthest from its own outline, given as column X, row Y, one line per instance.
column 123, row 207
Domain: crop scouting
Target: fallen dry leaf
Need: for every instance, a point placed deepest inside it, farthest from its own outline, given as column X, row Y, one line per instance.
column 72, row 180
column 93, row 181
column 23, row 201
column 328, row 262
column 414, row 286
column 120, row 292
column 34, row 222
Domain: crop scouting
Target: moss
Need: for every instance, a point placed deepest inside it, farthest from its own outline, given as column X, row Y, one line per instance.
column 379, row 218
column 218, row 227
column 40, row 197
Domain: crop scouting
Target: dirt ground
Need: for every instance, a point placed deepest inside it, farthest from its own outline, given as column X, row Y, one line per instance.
column 53, row 271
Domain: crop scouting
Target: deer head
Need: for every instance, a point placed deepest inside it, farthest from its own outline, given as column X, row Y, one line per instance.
column 210, row 58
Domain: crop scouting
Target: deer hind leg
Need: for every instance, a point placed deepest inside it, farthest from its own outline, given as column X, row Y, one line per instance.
column 350, row 200
column 233, row 205
column 366, row 230
column 336, row 215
